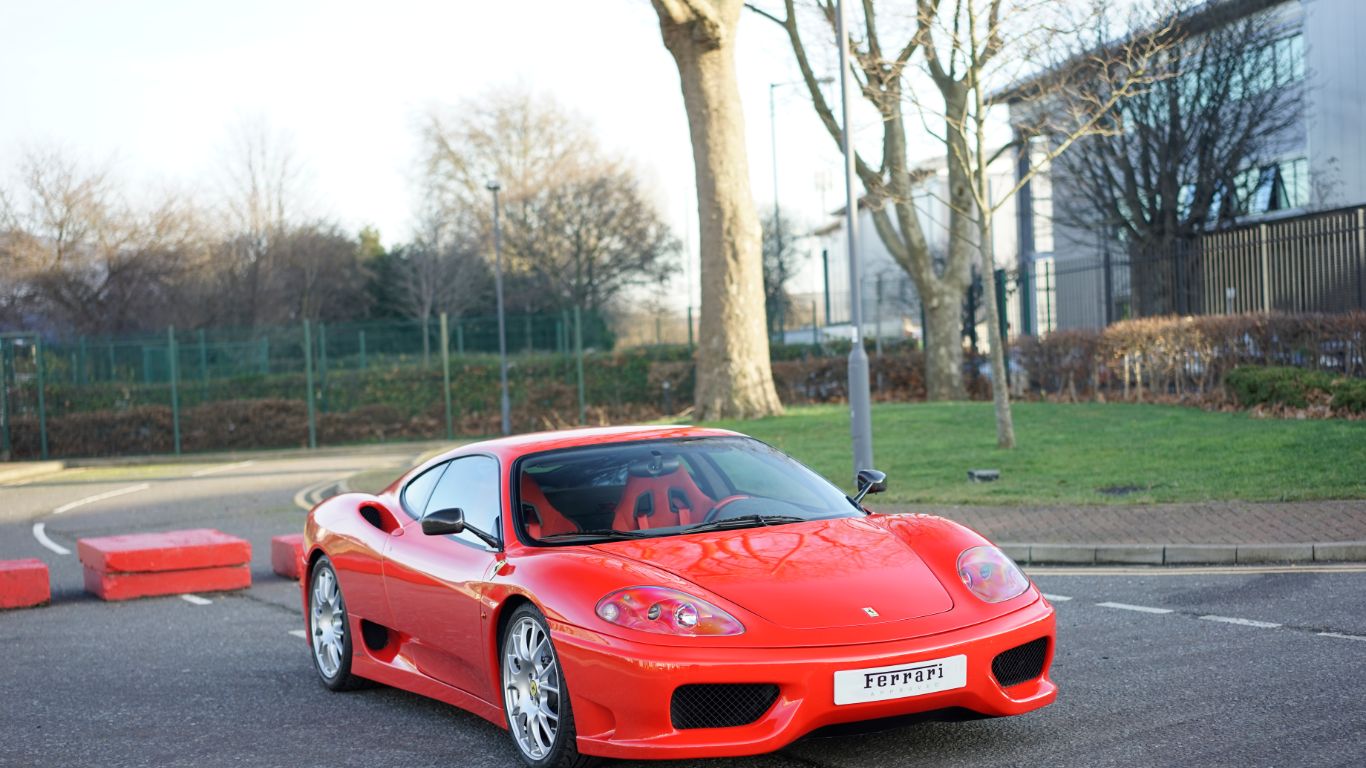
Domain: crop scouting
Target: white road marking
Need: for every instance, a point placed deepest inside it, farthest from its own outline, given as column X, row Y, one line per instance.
column 196, row 599
column 1241, row 622
column 1138, row 608
column 299, row 633
column 100, row 497
column 1341, row 636
column 1197, row 570
column 222, row 468
column 1056, row 598
column 301, row 499
column 40, row 533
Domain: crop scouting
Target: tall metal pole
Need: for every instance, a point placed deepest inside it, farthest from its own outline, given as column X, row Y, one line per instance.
column 493, row 187
column 777, row 214
column 860, row 415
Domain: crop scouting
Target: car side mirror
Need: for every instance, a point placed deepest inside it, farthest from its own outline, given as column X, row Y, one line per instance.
column 444, row 521
column 870, row 481
column 452, row 521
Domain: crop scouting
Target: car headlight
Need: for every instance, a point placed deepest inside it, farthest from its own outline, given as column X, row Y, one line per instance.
column 667, row 612
column 990, row 574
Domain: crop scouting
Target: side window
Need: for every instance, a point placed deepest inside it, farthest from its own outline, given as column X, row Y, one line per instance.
column 471, row 484
column 419, row 489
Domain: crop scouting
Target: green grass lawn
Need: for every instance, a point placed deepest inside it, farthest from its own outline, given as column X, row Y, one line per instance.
column 1071, row 453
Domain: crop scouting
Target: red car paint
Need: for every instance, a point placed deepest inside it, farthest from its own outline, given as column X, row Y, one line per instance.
column 799, row 589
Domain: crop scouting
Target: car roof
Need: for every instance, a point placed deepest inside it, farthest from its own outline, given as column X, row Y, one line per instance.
column 515, row 446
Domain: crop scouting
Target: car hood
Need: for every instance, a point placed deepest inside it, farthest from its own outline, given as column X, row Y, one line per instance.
column 818, row 574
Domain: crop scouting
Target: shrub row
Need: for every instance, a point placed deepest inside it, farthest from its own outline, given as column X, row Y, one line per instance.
column 1296, row 388
column 1187, row 356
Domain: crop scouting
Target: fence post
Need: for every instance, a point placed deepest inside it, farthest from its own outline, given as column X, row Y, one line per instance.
column 446, row 374
column 203, row 359
column 322, row 366
column 878, row 344
column 308, row 382
column 1361, row 258
column 173, row 371
column 360, row 340
column 42, row 397
column 578, row 353
column 690, row 343
column 6, row 447
column 815, row 326
column 1266, row 268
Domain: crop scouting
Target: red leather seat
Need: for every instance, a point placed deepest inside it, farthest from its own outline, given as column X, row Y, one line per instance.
column 659, row 494
column 540, row 517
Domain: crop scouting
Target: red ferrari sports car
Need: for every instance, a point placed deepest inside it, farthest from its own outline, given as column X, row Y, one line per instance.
column 664, row 592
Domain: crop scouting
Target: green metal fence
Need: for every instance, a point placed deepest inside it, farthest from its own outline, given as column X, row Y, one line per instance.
column 304, row 384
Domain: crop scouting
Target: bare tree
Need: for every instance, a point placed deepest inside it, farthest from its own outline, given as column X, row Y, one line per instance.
column 978, row 45
column 78, row 257
column 320, row 269
column 734, row 377
column 780, row 263
column 589, row 237
column 1192, row 151
column 577, row 229
column 889, row 185
column 440, row 271
column 260, row 194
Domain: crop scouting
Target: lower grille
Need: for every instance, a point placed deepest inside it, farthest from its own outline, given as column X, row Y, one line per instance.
column 715, row 705
column 1021, row 663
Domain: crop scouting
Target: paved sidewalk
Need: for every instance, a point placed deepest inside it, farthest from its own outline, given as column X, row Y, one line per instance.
column 1209, row 532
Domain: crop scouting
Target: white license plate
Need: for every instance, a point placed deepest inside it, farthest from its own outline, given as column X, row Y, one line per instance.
column 900, row 681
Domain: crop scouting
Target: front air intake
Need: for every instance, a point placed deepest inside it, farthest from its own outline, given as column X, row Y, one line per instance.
column 716, row 705
column 1021, row 663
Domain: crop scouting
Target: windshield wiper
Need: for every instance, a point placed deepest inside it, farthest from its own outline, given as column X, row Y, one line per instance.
column 743, row 521
column 609, row 534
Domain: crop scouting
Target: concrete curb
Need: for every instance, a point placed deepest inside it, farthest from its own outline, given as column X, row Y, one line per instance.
column 26, row 470
column 1186, row 554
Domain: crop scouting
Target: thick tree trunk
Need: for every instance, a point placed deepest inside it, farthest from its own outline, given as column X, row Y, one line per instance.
column 734, row 379
column 943, row 344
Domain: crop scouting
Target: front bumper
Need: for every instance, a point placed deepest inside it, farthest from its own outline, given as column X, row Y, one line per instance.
column 621, row 690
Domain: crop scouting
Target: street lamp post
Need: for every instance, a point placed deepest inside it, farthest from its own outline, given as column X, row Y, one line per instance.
column 494, row 186
column 860, row 416
column 777, row 211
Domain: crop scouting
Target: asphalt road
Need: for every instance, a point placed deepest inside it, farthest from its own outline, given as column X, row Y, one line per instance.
column 1247, row 668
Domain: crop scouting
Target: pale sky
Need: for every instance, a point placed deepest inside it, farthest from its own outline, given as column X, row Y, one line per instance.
column 158, row 85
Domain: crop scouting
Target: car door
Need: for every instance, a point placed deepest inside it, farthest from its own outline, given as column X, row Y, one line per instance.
column 434, row 583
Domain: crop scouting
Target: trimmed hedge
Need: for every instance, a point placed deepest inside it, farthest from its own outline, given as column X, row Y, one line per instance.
column 1187, row 357
column 1297, row 388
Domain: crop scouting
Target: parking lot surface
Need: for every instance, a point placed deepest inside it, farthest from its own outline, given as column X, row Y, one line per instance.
column 1156, row 667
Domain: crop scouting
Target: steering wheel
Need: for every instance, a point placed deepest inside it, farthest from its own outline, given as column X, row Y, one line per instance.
column 715, row 512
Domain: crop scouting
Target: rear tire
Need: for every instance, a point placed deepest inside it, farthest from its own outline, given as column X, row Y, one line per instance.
column 535, row 697
column 329, row 630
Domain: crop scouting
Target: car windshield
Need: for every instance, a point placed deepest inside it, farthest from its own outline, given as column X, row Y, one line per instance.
column 668, row 488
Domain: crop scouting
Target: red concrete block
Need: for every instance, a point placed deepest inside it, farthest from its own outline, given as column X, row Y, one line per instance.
column 287, row 555
column 24, row 583
column 126, row 586
column 163, row 551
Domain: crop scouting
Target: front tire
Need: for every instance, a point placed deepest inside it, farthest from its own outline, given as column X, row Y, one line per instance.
column 329, row 631
column 535, row 698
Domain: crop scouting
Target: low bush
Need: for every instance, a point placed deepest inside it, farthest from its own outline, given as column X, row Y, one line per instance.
column 1296, row 388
